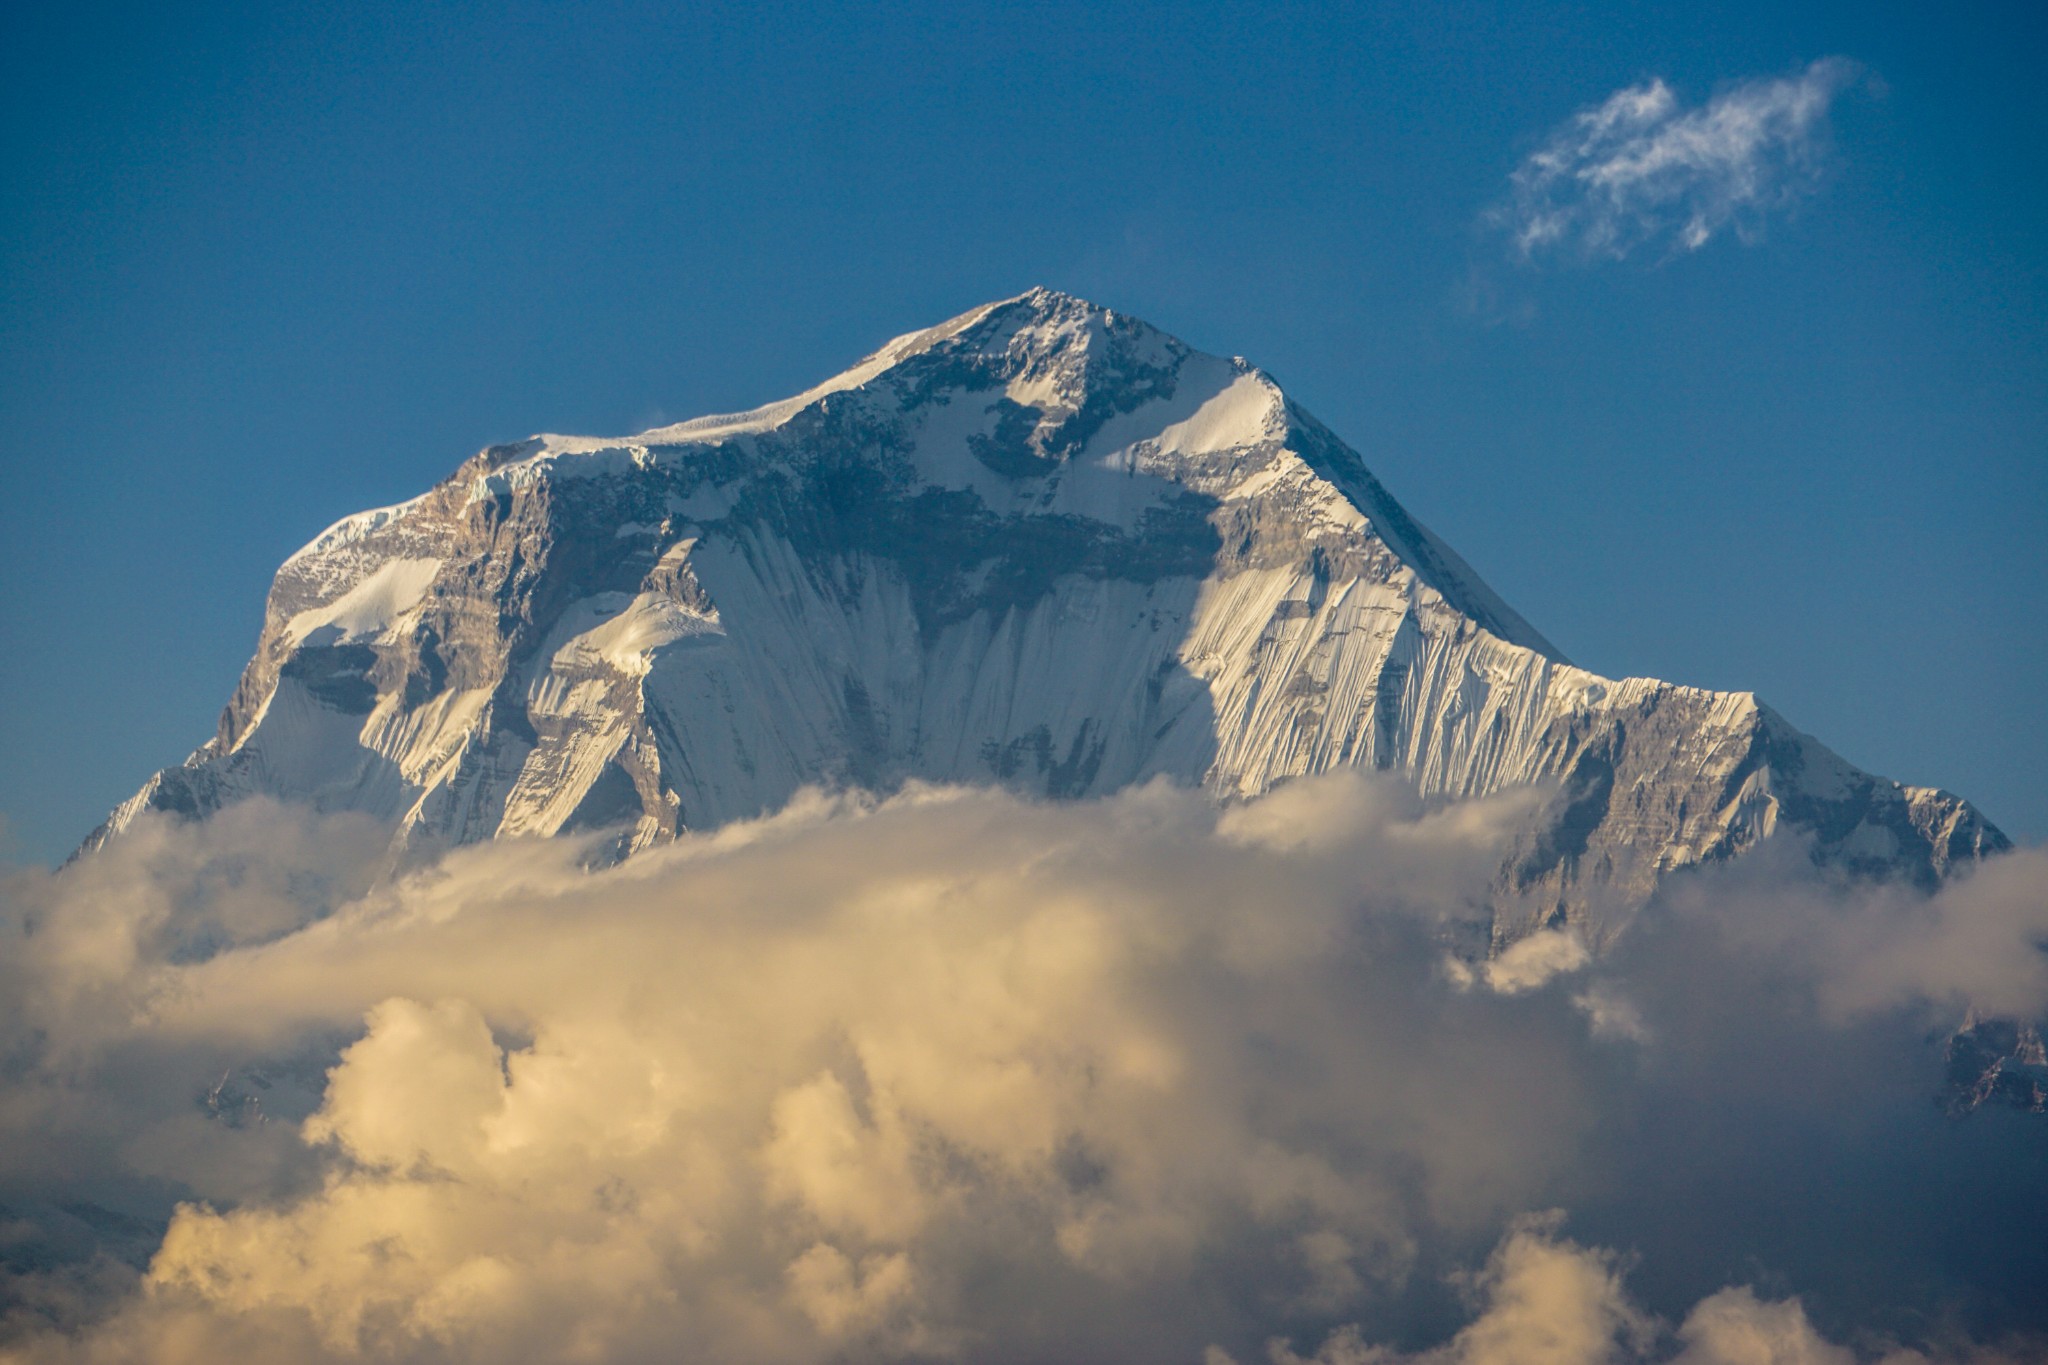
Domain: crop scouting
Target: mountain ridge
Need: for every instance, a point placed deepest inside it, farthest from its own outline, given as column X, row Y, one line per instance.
column 1042, row 544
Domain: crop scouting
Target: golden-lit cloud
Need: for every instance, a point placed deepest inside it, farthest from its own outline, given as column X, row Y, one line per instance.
column 950, row 1075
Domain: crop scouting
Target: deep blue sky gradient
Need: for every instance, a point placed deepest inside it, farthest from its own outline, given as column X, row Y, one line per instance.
column 264, row 265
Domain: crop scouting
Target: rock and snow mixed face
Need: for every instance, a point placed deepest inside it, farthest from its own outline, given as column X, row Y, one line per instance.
column 1042, row 544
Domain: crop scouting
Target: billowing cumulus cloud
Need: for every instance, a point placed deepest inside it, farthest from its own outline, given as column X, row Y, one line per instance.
column 1544, row 1300
column 958, row 1076
column 1640, row 172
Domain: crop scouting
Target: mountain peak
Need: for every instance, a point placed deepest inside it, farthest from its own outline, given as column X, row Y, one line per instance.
column 1063, row 391
column 1043, row 303
column 1041, row 543
column 1050, row 342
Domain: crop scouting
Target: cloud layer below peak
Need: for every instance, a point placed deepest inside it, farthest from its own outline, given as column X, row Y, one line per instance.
column 958, row 1076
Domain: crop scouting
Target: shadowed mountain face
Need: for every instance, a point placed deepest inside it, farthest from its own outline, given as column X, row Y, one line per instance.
column 1041, row 544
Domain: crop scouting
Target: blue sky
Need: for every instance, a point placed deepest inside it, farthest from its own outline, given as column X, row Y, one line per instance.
column 266, row 265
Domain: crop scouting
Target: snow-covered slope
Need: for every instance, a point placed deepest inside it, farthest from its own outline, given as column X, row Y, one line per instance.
column 1041, row 544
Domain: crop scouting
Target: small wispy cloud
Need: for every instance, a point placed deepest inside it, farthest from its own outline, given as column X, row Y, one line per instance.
column 1640, row 173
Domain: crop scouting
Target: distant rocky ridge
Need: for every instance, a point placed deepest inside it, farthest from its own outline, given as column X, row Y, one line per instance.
column 1042, row 544
column 1995, row 1061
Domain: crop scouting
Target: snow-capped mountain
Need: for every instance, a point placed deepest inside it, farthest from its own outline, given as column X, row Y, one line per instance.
column 1042, row 544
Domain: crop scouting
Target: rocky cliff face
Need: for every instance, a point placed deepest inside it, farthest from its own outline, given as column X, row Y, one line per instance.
column 1041, row 544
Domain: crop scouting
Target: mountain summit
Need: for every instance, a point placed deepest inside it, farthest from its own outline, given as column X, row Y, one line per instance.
column 1041, row 544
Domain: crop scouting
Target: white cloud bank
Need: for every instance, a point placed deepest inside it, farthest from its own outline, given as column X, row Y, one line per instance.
column 956, row 1076
column 1638, row 172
